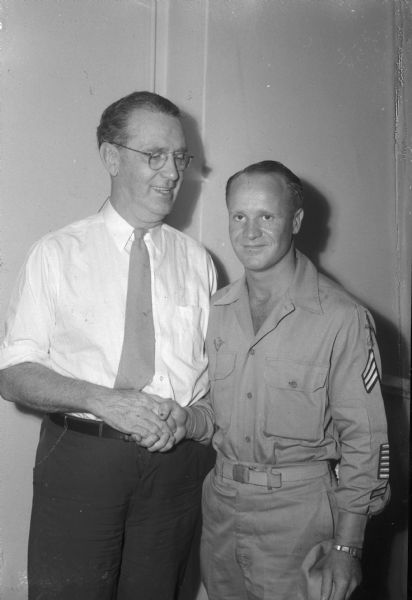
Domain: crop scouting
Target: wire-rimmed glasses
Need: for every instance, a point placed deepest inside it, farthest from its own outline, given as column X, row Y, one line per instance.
column 157, row 160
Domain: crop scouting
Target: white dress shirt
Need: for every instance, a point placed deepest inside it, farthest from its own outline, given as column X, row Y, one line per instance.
column 67, row 310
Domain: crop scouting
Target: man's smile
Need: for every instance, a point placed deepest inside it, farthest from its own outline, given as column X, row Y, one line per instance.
column 164, row 190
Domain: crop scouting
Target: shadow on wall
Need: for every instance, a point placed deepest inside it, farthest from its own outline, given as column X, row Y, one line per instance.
column 182, row 214
column 313, row 236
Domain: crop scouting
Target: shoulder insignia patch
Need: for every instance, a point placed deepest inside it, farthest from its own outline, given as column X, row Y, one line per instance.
column 383, row 468
column 370, row 373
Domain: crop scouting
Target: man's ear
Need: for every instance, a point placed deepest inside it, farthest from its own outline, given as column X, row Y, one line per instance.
column 110, row 158
column 297, row 220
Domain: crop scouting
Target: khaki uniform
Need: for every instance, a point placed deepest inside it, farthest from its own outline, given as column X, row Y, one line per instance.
column 286, row 404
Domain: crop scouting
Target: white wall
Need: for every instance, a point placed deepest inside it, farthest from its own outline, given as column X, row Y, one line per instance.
column 305, row 82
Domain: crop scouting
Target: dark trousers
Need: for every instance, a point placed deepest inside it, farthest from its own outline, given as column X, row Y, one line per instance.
column 112, row 521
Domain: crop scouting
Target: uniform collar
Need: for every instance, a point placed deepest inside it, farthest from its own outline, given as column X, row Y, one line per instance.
column 121, row 231
column 303, row 292
column 231, row 293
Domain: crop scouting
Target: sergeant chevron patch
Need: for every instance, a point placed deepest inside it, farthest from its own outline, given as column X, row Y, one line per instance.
column 383, row 468
column 370, row 373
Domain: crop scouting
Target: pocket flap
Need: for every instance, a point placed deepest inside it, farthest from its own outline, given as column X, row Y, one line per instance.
column 290, row 375
column 222, row 364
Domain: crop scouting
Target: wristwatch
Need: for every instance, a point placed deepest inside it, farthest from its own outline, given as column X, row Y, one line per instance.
column 351, row 550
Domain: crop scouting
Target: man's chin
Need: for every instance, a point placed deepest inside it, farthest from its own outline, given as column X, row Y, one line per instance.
column 162, row 210
column 161, row 198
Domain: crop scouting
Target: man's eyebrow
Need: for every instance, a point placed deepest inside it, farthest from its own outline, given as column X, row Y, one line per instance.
column 156, row 149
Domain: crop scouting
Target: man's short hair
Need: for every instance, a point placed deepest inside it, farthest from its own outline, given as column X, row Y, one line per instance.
column 115, row 118
column 272, row 167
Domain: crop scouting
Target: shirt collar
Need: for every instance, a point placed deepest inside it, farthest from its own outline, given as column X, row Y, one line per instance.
column 303, row 292
column 232, row 293
column 121, row 231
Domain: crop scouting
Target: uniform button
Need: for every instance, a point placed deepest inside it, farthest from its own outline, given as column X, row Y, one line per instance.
column 161, row 377
column 252, row 351
column 293, row 384
column 247, row 438
column 249, row 395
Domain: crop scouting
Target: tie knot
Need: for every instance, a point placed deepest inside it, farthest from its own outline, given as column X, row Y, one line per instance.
column 139, row 233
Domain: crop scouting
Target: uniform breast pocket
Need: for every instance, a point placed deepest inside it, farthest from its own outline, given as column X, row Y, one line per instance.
column 221, row 371
column 296, row 400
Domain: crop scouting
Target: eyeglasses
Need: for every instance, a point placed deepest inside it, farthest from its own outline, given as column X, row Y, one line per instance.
column 157, row 160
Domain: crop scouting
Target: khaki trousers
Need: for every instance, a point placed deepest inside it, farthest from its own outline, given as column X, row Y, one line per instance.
column 254, row 540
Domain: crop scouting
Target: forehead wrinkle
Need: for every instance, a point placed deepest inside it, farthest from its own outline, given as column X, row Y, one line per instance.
column 155, row 135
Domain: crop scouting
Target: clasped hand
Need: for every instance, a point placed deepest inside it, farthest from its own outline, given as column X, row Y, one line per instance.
column 151, row 421
column 174, row 419
column 171, row 430
column 148, row 419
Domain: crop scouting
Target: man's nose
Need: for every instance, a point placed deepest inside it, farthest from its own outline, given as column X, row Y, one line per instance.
column 169, row 169
column 252, row 230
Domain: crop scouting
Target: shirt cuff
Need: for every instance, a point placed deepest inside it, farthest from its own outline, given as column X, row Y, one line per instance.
column 350, row 529
column 196, row 425
column 20, row 353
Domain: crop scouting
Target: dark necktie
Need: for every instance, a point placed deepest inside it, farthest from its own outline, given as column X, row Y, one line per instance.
column 136, row 367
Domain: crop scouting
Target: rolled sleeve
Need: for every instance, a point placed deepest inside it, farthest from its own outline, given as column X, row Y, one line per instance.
column 29, row 318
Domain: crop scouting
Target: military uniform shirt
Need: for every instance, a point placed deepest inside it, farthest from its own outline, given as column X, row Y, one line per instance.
column 304, row 388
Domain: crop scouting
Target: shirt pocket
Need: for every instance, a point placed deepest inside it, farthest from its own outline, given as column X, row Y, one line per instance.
column 179, row 334
column 296, row 400
column 187, row 323
column 221, row 371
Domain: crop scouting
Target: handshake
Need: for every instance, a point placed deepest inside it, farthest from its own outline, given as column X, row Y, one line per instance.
column 149, row 420
column 169, row 432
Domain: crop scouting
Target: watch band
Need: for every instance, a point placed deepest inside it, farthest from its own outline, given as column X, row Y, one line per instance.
column 351, row 550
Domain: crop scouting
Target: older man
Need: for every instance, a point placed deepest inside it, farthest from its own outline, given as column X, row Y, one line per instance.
column 295, row 390
column 108, row 317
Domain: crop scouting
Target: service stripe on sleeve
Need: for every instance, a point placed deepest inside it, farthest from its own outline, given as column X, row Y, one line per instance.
column 370, row 373
column 383, row 468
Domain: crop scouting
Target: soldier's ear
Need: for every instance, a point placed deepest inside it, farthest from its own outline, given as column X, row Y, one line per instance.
column 110, row 158
column 297, row 220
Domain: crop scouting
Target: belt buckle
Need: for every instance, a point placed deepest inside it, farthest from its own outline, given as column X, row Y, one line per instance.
column 240, row 473
column 274, row 480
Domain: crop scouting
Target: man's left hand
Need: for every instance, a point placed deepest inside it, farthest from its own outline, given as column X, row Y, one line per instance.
column 341, row 575
column 175, row 417
column 159, row 443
